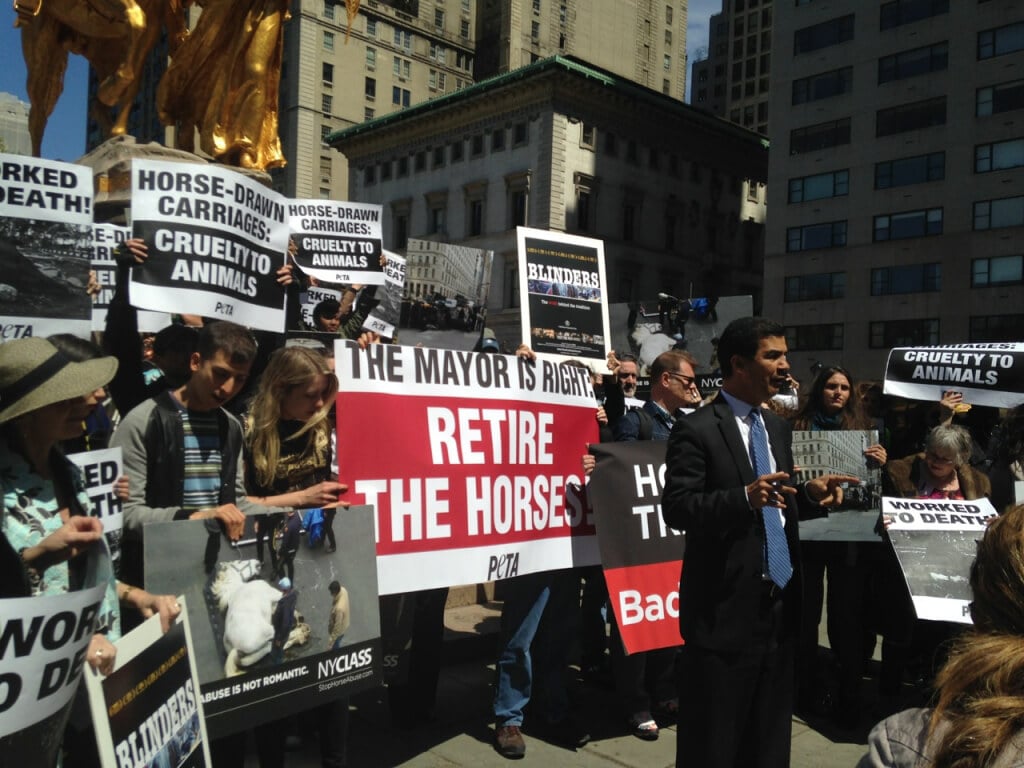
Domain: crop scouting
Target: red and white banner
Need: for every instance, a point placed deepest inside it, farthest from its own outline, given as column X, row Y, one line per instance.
column 642, row 557
column 470, row 460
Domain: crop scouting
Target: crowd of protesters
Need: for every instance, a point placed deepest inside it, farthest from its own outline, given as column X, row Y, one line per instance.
column 188, row 455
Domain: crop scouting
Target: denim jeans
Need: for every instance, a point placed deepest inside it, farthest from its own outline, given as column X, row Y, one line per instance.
column 537, row 627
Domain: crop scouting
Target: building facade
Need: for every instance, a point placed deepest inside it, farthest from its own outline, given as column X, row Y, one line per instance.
column 677, row 196
column 898, row 177
column 734, row 80
column 640, row 40
column 14, row 125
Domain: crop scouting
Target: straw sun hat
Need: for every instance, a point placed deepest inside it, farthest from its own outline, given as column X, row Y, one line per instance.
column 33, row 374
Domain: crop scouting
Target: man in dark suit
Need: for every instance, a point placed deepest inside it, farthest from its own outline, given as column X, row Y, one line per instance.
column 739, row 592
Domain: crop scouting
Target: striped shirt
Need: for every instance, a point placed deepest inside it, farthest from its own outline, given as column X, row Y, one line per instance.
column 202, row 459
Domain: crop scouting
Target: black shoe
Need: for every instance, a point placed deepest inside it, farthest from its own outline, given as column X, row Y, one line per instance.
column 508, row 740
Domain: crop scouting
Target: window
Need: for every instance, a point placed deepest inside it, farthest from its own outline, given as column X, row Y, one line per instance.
column 368, row 113
column 997, row 270
column 401, row 67
column 822, row 185
column 385, row 170
column 903, row 333
column 371, row 58
column 464, row 28
column 536, row 6
column 999, row 156
column 403, row 168
column 520, row 134
column 910, row 170
column 913, row 278
column 996, row 214
column 400, row 96
column 919, row 61
column 911, row 117
column 438, row 161
column 1000, row 98
column 403, row 39
column 370, row 89
column 369, row 175
column 328, row 41
column 830, row 234
column 327, row 73
column 326, row 102
column 328, row 9
column 666, row 62
column 900, row 226
column 628, row 221
column 498, row 140
column 668, row 15
column 814, row 138
column 458, row 149
column 822, row 35
column 420, row 161
column 438, row 18
column 535, row 30
column 588, row 135
column 371, row 27
column 432, row 80
column 1001, row 40
column 476, row 145
column 826, row 285
column 900, row 12
column 401, row 230
column 517, row 193
column 823, row 86
column 996, row 328
column 819, row 336
column 325, row 131
column 585, row 202
column 476, row 218
column 437, row 224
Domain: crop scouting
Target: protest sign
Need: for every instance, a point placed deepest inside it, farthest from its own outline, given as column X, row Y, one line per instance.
column 43, row 643
column 936, row 541
column 230, row 607
column 563, row 289
column 840, row 452
column 216, row 239
column 100, row 470
column 641, row 556
column 337, row 242
column 986, row 374
column 148, row 711
column 482, row 450
column 385, row 317
column 444, row 302
column 45, row 247
column 105, row 240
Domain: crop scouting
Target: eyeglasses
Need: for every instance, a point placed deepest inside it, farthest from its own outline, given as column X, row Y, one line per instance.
column 627, row 375
column 936, row 459
column 688, row 381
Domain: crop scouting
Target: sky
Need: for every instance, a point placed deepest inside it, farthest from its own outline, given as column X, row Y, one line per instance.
column 65, row 132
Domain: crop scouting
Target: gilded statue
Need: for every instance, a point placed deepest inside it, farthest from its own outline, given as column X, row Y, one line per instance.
column 224, row 82
column 113, row 35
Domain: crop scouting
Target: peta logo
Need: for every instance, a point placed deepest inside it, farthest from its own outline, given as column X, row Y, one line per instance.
column 503, row 566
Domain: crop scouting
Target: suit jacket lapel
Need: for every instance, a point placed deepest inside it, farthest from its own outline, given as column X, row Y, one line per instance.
column 733, row 440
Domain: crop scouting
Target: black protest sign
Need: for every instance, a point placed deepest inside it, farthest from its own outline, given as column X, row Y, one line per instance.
column 641, row 556
column 216, row 239
column 337, row 242
column 986, row 374
column 45, row 247
column 562, row 285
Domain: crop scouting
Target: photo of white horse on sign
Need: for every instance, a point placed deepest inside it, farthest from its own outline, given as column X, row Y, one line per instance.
column 248, row 603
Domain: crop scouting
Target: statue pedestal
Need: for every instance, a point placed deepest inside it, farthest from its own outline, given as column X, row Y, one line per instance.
column 111, row 164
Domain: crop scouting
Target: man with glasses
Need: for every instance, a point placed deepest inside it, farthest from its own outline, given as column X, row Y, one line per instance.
column 673, row 388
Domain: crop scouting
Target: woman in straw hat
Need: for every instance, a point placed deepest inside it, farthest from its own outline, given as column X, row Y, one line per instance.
column 44, row 399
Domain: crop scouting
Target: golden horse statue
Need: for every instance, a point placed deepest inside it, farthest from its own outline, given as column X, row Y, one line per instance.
column 113, row 35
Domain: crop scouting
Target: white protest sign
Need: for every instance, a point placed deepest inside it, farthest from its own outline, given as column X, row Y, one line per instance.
column 986, row 374
column 216, row 239
column 338, row 242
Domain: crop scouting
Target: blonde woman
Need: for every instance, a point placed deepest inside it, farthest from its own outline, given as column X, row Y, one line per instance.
column 288, row 440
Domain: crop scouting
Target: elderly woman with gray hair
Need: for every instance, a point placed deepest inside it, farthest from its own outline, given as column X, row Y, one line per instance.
column 941, row 471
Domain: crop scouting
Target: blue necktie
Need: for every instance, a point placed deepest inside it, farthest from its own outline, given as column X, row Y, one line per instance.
column 780, row 568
